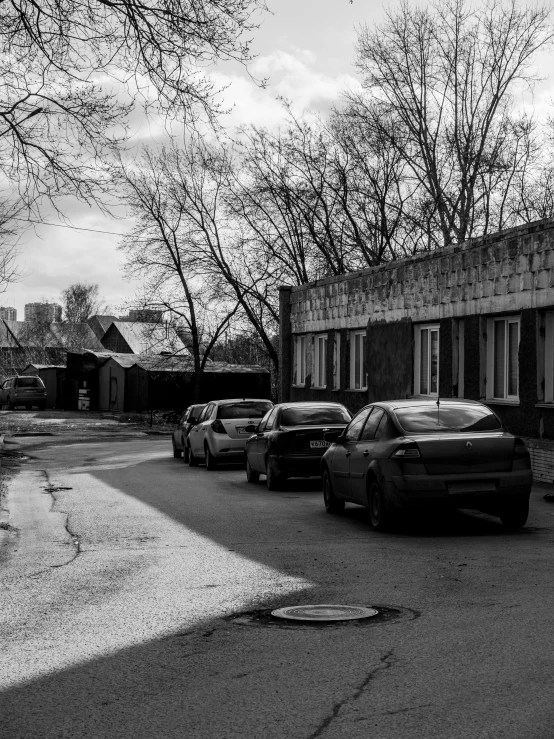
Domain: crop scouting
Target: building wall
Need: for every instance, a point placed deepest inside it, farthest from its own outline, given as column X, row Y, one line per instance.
column 459, row 289
column 111, row 386
column 8, row 314
column 46, row 312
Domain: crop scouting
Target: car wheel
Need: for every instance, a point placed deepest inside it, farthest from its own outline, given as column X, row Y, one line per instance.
column 514, row 515
column 176, row 452
column 193, row 461
column 380, row 517
column 185, row 452
column 211, row 461
column 332, row 503
column 28, row 406
column 272, row 480
column 251, row 475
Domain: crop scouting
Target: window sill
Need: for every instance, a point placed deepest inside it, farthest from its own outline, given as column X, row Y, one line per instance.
column 319, row 387
column 545, row 405
column 356, row 390
column 303, row 385
column 500, row 401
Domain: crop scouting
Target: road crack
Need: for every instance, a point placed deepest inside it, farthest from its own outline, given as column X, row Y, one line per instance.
column 385, row 662
column 50, row 489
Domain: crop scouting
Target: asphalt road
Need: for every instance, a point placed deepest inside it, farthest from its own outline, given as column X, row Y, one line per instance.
column 121, row 596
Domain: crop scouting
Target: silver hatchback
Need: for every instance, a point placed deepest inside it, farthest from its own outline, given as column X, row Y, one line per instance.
column 220, row 433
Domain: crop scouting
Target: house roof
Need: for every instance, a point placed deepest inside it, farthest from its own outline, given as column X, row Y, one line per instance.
column 146, row 338
column 100, row 324
column 28, row 334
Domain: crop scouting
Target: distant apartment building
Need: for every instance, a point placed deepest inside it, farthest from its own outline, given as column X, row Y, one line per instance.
column 45, row 312
column 144, row 316
column 8, row 314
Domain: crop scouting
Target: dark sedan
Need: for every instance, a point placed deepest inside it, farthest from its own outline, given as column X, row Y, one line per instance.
column 288, row 441
column 180, row 435
column 421, row 454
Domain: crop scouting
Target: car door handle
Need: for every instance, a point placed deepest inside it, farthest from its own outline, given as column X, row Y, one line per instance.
column 366, row 453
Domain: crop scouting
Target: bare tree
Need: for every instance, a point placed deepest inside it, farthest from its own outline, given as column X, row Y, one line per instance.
column 80, row 301
column 446, row 77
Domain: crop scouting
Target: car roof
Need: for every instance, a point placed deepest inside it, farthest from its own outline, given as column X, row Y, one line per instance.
column 311, row 404
column 410, row 402
column 240, row 400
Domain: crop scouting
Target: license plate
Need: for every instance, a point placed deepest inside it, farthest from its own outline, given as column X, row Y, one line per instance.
column 318, row 444
column 483, row 486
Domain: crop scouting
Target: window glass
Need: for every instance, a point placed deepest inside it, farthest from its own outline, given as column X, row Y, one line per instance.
column 300, row 360
column 205, row 413
column 371, row 425
column 460, row 418
column 427, row 344
column 381, row 432
column 271, row 419
column 183, row 418
column 29, row 382
column 353, row 431
column 499, row 357
column 315, row 416
column 505, row 365
column 244, row 409
column 321, row 361
column 263, row 422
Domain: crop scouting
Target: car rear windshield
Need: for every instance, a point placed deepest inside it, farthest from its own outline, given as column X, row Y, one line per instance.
column 29, row 382
column 433, row 418
column 321, row 416
column 247, row 409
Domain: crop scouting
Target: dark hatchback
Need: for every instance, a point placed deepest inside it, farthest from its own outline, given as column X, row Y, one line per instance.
column 180, row 434
column 289, row 440
column 419, row 454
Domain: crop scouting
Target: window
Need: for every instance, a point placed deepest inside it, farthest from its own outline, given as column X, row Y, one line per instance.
column 320, row 368
column 502, row 358
column 458, row 358
column 443, row 417
column 315, row 415
column 300, row 365
column 371, row 426
column 353, row 431
column 357, row 361
column 244, row 409
column 426, row 360
column 336, row 361
column 270, row 419
column 549, row 358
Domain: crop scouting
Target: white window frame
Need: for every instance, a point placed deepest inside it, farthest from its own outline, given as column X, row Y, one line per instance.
column 336, row 361
column 362, row 373
column 320, row 372
column 549, row 358
column 418, row 329
column 507, row 320
column 301, row 360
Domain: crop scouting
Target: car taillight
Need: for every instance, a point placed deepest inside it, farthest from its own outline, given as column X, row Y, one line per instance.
column 218, row 427
column 406, row 451
column 519, row 448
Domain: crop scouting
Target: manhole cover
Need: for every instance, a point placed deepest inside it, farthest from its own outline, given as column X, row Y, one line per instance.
column 324, row 612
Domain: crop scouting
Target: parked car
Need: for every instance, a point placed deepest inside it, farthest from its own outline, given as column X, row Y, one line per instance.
column 180, row 435
column 422, row 454
column 26, row 390
column 288, row 441
column 220, row 433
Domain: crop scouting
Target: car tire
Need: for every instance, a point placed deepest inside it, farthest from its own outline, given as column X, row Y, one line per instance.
column 176, row 452
column 186, row 452
column 272, row 480
column 514, row 515
column 251, row 475
column 193, row 461
column 381, row 518
column 211, row 461
column 333, row 504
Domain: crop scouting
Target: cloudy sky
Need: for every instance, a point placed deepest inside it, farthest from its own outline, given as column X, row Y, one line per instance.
column 305, row 48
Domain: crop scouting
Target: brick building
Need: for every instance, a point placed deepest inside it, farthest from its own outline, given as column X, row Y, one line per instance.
column 474, row 320
column 44, row 312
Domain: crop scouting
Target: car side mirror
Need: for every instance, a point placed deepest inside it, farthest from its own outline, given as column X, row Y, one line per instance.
column 333, row 436
column 251, row 428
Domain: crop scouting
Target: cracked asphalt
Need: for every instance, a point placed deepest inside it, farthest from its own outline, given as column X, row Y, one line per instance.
column 124, row 570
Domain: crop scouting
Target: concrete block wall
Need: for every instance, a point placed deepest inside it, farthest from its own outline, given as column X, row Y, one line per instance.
column 507, row 271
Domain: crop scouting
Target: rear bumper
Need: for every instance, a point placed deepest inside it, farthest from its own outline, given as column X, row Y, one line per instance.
column 298, row 464
column 413, row 491
column 222, row 446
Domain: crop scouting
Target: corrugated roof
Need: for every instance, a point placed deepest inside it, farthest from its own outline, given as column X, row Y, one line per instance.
column 148, row 338
column 100, row 324
column 28, row 334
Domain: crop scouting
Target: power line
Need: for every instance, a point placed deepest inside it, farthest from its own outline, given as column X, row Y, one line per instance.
column 74, row 228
